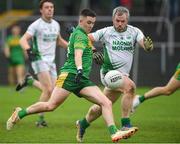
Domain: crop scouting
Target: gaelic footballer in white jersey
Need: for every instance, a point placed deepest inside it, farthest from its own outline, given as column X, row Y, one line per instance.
column 119, row 47
column 45, row 36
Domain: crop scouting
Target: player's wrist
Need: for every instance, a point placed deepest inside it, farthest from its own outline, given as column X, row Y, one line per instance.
column 79, row 67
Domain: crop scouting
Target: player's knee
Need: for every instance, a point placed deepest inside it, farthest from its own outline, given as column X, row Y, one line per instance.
column 167, row 92
column 95, row 109
column 131, row 89
column 108, row 103
column 48, row 90
column 50, row 106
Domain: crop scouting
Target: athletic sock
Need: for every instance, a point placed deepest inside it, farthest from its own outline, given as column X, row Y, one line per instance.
column 41, row 118
column 84, row 124
column 112, row 129
column 30, row 81
column 142, row 99
column 125, row 122
column 22, row 113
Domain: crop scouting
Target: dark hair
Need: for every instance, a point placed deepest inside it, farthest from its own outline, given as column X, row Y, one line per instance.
column 43, row 1
column 88, row 12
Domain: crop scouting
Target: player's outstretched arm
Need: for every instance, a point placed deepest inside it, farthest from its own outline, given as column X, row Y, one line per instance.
column 147, row 44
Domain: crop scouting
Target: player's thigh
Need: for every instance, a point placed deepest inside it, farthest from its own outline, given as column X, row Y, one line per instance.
column 173, row 84
column 112, row 94
column 128, row 85
column 52, row 70
column 20, row 70
column 53, row 80
column 45, row 79
column 11, row 70
column 94, row 94
column 58, row 96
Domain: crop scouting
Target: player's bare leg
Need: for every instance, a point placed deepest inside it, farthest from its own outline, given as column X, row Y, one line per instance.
column 47, row 87
column 58, row 97
column 20, row 72
column 166, row 90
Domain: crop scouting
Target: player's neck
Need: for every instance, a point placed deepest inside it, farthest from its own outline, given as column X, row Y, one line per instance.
column 48, row 20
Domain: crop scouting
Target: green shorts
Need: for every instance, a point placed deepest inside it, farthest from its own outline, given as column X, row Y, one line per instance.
column 67, row 81
column 177, row 72
column 16, row 62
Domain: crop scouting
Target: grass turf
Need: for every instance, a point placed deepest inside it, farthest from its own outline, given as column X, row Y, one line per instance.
column 158, row 120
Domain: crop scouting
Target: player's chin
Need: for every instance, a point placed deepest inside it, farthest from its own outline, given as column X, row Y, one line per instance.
column 50, row 15
column 89, row 30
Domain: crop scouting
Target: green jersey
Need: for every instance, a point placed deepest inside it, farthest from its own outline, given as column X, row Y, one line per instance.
column 16, row 52
column 79, row 40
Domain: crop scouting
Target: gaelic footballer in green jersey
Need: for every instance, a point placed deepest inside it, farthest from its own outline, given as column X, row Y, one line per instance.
column 15, row 55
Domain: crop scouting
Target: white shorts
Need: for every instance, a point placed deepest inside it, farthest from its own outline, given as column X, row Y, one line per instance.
column 41, row 66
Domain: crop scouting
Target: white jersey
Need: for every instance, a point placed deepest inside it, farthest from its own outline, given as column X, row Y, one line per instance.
column 118, row 47
column 44, row 38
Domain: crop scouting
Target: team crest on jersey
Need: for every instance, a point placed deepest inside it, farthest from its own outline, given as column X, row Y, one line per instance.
column 80, row 38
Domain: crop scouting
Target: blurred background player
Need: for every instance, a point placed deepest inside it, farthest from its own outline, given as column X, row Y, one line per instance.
column 15, row 55
column 119, row 43
column 74, row 77
column 168, row 89
column 45, row 34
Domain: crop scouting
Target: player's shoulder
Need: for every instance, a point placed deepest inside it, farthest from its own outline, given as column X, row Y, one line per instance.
column 79, row 31
column 79, row 34
column 9, row 38
column 108, row 28
column 55, row 22
column 131, row 27
column 36, row 22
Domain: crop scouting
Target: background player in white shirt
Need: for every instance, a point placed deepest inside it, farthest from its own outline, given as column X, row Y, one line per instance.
column 119, row 43
column 45, row 34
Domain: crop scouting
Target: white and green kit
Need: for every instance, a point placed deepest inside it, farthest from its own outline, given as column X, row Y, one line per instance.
column 118, row 47
column 45, row 35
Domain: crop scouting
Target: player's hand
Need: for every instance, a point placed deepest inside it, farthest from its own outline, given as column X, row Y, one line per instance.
column 31, row 55
column 78, row 75
column 148, row 44
column 98, row 57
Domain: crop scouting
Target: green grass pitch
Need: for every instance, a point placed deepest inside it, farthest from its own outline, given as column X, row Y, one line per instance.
column 158, row 120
